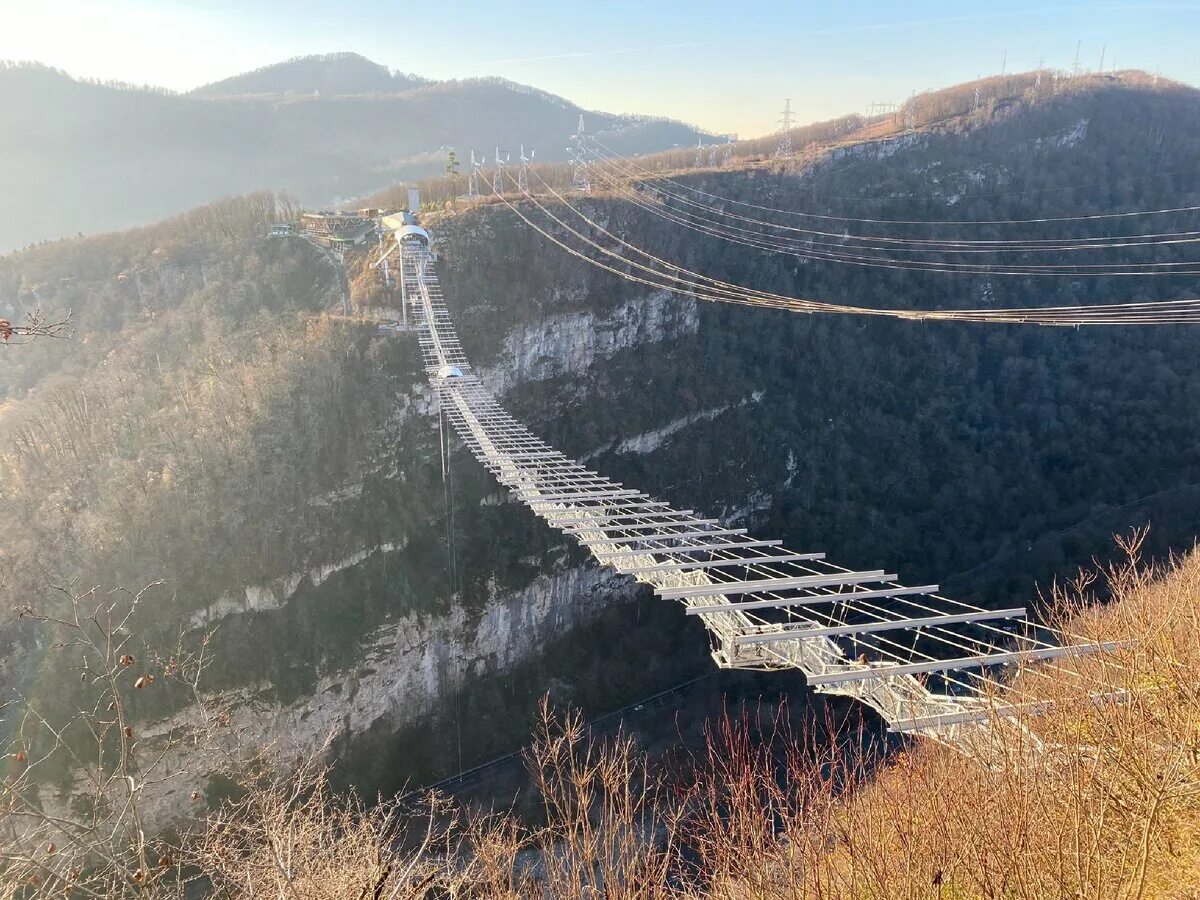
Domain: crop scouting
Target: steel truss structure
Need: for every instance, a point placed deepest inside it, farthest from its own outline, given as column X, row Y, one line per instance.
column 923, row 661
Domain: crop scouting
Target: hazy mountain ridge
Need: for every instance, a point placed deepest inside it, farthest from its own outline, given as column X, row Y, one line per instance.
column 92, row 157
column 330, row 73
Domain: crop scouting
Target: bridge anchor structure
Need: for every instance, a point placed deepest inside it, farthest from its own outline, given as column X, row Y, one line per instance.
column 926, row 663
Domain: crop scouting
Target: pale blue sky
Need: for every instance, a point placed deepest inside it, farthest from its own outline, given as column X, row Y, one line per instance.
column 724, row 65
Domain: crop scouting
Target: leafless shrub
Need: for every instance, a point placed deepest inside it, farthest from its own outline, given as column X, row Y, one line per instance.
column 290, row 836
column 37, row 324
column 1105, row 802
column 1108, row 807
column 609, row 829
column 72, row 802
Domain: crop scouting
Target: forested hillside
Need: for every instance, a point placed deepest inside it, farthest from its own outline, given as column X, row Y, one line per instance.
column 161, row 440
column 91, row 157
column 333, row 73
column 280, row 470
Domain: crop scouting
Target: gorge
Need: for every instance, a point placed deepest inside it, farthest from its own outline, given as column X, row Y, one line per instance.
column 355, row 592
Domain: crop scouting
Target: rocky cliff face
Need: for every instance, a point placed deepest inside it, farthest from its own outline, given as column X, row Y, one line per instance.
column 405, row 671
column 570, row 344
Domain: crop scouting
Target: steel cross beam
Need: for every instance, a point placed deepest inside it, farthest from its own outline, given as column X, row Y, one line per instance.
column 768, row 585
column 890, row 670
column 809, row 599
column 787, row 633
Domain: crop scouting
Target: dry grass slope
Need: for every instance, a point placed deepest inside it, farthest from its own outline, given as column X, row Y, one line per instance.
column 1109, row 806
column 1108, row 809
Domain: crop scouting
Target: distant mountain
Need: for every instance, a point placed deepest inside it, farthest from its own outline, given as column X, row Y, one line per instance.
column 332, row 73
column 92, row 157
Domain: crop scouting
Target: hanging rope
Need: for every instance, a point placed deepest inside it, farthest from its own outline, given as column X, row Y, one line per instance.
column 447, row 489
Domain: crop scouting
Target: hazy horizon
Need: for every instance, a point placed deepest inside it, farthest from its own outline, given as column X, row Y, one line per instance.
column 704, row 63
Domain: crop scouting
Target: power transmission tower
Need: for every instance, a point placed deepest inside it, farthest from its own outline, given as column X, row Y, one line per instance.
column 1075, row 67
column 523, row 172
column 1103, row 50
column 473, row 178
column 1004, row 64
column 580, row 180
column 699, row 152
column 498, row 174
column 786, row 122
column 729, row 150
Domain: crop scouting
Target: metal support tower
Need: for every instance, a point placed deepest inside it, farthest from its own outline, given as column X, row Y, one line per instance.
column 580, row 178
column 699, row 152
column 502, row 157
column 473, row 178
column 523, row 171
column 383, row 258
column 786, row 122
column 405, row 285
column 728, row 161
column 343, row 278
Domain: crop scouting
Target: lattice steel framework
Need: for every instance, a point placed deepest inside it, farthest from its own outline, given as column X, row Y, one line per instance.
column 580, row 179
column 787, row 121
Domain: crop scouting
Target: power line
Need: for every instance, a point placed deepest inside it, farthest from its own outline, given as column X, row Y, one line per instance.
column 807, row 248
column 684, row 281
column 944, row 245
column 946, row 222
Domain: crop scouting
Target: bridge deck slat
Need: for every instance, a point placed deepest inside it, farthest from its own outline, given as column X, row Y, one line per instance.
column 787, row 633
column 811, row 599
column 1004, row 658
column 761, row 585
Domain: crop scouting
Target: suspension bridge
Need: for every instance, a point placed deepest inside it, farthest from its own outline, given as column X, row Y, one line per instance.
column 923, row 661
column 930, row 665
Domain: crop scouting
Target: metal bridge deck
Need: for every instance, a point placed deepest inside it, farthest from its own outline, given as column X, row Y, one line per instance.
column 920, row 659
